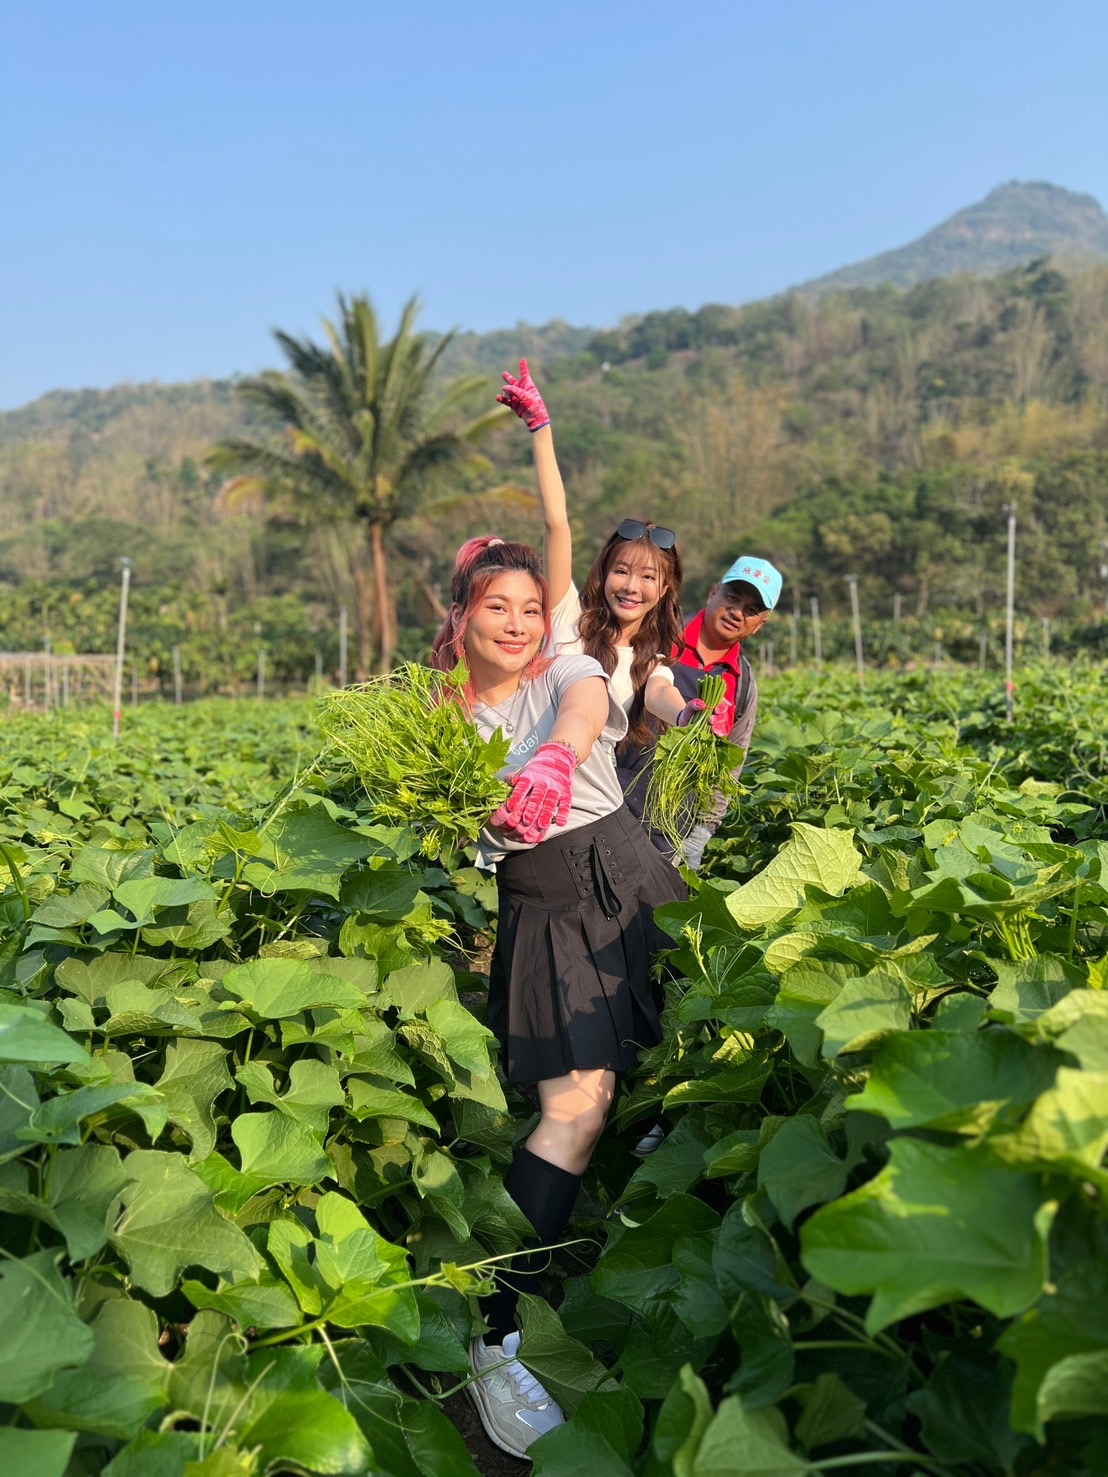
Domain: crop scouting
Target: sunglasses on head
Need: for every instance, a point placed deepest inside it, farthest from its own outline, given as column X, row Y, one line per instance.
column 662, row 538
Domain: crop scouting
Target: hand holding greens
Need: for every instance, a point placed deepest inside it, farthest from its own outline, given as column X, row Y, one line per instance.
column 691, row 770
column 422, row 761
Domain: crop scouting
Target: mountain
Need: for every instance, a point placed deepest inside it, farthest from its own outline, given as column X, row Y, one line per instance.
column 1013, row 225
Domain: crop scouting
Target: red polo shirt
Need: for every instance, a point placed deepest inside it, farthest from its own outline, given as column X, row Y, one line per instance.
column 686, row 653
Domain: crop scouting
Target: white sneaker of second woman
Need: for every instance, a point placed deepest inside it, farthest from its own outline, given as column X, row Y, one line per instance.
column 514, row 1407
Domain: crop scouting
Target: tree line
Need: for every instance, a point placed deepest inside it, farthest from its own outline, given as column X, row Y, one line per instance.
column 871, row 432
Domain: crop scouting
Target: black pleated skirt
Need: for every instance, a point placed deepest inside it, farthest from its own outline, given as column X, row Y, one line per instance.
column 570, row 984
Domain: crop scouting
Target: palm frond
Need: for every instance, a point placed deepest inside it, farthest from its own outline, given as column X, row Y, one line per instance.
column 510, row 497
column 440, row 349
column 240, row 495
column 478, row 429
column 431, row 455
column 309, row 361
column 347, row 372
column 274, row 395
column 456, row 394
column 317, row 405
column 363, row 330
column 303, row 482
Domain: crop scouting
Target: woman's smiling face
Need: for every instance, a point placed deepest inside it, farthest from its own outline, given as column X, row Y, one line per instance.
column 506, row 628
column 634, row 584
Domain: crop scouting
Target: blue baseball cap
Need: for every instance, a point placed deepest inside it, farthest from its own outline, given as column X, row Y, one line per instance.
column 757, row 572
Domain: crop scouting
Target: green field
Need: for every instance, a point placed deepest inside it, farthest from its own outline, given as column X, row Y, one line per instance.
column 253, row 1137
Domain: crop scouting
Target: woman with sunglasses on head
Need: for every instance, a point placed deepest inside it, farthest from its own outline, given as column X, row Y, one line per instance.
column 627, row 617
column 570, row 997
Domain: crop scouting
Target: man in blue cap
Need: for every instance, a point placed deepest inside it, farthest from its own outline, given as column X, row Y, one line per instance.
column 736, row 610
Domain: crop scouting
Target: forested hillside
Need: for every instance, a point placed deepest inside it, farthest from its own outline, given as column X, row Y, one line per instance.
column 866, row 431
column 1014, row 223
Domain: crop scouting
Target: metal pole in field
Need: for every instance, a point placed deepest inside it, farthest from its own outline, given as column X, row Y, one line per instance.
column 261, row 672
column 896, row 606
column 342, row 645
column 177, row 694
column 1046, row 638
column 856, row 619
column 817, row 635
column 794, row 622
column 983, row 647
column 1010, row 614
column 120, row 646
column 318, row 666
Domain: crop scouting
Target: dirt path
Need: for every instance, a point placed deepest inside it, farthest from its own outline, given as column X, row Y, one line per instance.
column 489, row 1460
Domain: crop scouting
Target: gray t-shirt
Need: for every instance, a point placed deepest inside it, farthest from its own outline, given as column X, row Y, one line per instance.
column 533, row 711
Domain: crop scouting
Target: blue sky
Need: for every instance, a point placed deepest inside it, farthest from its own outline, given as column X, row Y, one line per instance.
column 178, row 181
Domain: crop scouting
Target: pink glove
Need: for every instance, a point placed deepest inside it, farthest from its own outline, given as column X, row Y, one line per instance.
column 541, row 794
column 523, row 397
column 722, row 720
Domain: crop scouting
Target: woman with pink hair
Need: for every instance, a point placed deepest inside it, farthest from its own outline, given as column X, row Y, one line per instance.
column 570, row 996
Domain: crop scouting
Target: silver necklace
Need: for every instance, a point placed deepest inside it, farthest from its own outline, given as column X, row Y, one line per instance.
column 507, row 720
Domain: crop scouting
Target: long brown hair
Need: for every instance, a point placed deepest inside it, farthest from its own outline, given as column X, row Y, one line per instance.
column 478, row 562
column 660, row 630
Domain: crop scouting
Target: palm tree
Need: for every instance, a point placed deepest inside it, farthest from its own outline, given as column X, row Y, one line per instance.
column 365, row 440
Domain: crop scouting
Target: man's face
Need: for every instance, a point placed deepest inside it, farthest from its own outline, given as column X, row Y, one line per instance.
column 734, row 612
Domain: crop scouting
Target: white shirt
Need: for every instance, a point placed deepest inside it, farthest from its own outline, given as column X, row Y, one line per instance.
column 565, row 619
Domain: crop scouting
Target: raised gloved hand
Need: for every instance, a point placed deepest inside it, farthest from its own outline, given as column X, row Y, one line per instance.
column 541, row 794
column 522, row 396
column 722, row 720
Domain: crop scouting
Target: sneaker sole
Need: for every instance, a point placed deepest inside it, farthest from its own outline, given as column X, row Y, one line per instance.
column 639, row 1152
column 477, row 1395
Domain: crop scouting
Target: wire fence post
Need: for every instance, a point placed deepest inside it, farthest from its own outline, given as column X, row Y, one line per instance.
column 817, row 634
column 1046, row 638
column 983, row 648
column 342, row 645
column 896, row 606
column 1010, row 614
column 120, row 647
column 794, row 623
column 318, row 667
column 177, row 694
column 856, row 620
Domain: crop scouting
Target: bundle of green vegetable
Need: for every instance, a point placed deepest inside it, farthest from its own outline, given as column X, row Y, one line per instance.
column 421, row 760
column 691, row 769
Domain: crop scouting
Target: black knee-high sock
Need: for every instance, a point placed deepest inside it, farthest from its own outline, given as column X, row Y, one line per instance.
column 545, row 1194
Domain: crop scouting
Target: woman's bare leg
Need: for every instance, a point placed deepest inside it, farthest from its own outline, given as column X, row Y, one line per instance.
column 574, row 1112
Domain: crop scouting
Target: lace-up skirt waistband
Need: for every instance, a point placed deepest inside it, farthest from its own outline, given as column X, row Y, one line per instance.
column 570, row 985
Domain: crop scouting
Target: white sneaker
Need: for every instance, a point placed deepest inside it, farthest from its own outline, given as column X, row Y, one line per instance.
column 514, row 1408
column 650, row 1142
